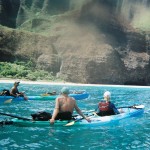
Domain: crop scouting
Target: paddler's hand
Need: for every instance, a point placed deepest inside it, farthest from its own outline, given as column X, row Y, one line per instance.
column 17, row 95
column 51, row 121
column 88, row 119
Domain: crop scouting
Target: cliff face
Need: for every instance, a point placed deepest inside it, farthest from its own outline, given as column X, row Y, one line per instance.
column 92, row 41
column 8, row 12
column 25, row 46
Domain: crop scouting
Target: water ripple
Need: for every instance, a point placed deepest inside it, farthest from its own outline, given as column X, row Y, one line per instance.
column 127, row 134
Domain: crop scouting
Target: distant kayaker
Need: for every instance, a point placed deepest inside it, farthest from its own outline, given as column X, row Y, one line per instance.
column 64, row 107
column 15, row 92
column 106, row 107
column 49, row 93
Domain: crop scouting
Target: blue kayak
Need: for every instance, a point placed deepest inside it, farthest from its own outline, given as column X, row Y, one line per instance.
column 126, row 112
column 76, row 96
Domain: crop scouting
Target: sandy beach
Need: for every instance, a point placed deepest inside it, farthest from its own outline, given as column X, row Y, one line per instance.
column 37, row 82
column 66, row 83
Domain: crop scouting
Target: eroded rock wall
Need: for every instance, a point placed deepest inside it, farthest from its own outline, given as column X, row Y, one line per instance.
column 26, row 46
column 87, row 41
column 9, row 12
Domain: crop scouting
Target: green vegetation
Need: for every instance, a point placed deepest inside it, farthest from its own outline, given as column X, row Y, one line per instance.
column 22, row 70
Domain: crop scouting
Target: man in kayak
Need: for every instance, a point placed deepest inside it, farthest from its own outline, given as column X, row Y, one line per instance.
column 64, row 107
column 106, row 107
column 49, row 93
column 14, row 91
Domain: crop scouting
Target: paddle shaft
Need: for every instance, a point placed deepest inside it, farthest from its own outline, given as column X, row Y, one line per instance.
column 78, row 119
column 14, row 116
column 133, row 106
column 72, row 123
column 83, row 118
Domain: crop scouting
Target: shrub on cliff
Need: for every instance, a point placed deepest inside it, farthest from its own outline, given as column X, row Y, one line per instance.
column 22, row 70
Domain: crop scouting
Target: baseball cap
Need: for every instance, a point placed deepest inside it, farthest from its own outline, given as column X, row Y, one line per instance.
column 16, row 82
column 65, row 90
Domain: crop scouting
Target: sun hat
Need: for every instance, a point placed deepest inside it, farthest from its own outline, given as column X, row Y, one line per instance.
column 107, row 93
column 65, row 90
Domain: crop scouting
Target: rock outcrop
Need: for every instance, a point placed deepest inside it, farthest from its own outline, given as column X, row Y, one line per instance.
column 91, row 41
column 26, row 46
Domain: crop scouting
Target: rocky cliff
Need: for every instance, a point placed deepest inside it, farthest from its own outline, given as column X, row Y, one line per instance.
column 86, row 41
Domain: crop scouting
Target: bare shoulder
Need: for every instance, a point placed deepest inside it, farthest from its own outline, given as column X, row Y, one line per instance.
column 12, row 89
column 73, row 101
column 59, row 98
column 71, row 98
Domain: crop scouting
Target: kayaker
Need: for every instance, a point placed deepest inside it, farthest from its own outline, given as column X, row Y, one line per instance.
column 51, row 93
column 106, row 107
column 64, row 107
column 5, row 92
column 15, row 92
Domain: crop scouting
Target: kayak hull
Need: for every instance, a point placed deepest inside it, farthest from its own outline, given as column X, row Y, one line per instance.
column 80, row 96
column 95, row 120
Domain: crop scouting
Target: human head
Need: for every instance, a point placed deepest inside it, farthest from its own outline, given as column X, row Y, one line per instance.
column 107, row 95
column 16, row 83
column 65, row 90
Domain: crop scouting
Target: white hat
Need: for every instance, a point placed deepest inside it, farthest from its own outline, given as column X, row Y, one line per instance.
column 107, row 93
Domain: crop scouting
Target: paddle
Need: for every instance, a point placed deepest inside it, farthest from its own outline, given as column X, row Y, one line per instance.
column 8, row 101
column 73, row 122
column 11, row 99
column 94, row 113
column 14, row 116
column 133, row 106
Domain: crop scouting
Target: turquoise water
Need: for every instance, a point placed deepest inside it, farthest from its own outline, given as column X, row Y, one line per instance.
column 127, row 134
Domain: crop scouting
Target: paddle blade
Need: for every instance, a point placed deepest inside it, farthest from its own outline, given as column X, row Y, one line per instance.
column 70, row 123
column 8, row 101
column 140, row 107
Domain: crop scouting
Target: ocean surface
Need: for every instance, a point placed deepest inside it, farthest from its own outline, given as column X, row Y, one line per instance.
column 127, row 134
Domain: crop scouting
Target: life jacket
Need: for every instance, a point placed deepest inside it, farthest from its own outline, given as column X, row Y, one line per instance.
column 105, row 109
column 104, row 106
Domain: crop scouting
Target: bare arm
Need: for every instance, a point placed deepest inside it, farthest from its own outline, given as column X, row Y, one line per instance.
column 56, row 111
column 12, row 92
column 80, row 113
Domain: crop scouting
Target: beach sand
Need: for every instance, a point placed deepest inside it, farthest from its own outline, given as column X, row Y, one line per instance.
column 43, row 82
column 37, row 82
column 50, row 83
column 66, row 83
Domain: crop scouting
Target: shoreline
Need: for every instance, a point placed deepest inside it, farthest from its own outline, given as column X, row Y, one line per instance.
column 67, row 83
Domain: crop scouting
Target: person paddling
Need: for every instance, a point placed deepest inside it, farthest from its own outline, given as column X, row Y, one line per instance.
column 15, row 92
column 64, row 107
column 106, row 107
